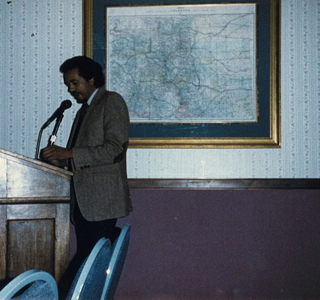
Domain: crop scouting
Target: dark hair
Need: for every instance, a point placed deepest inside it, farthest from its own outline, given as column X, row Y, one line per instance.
column 87, row 67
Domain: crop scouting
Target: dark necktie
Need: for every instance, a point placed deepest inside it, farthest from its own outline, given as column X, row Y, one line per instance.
column 82, row 111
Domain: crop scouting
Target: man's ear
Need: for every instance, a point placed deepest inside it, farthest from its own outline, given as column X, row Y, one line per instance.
column 91, row 81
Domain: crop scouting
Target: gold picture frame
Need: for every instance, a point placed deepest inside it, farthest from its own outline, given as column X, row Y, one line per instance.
column 93, row 43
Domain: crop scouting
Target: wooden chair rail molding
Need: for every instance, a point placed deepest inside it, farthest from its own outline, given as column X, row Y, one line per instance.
column 223, row 184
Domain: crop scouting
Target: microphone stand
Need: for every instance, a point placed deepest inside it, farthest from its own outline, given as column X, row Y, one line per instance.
column 53, row 136
column 38, row 144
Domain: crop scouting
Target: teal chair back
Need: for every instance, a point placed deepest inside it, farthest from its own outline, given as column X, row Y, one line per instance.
column 119, row 253
column 31, row 285
column 89, row 280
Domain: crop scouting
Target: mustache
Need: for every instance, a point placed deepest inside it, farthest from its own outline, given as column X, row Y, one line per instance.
column 74, row 94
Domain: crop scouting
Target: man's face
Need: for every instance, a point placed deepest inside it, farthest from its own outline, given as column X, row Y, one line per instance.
column 78, row 87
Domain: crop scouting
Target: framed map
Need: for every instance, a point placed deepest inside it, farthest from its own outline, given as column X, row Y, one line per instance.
column 192, row 75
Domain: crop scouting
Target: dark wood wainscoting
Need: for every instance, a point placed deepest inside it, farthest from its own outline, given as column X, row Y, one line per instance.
column 222, row 184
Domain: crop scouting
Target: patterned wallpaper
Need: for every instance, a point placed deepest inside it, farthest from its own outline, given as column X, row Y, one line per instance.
column 37, row 36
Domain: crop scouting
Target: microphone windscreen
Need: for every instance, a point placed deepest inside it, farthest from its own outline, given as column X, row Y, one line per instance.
column 66, row 104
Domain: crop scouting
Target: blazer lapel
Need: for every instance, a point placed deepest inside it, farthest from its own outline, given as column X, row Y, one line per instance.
column 86, row 120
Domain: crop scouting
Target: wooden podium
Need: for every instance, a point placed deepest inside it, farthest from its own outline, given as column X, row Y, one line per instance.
column 34, row 216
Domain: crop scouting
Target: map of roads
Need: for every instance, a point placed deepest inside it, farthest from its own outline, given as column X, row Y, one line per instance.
column 184, row 64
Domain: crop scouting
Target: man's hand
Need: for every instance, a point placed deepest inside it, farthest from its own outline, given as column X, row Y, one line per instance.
column 56, row 155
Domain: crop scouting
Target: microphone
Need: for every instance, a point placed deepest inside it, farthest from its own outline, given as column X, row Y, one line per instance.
column 59, row 111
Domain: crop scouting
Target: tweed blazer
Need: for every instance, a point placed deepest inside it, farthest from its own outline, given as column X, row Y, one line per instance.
column 99, row 180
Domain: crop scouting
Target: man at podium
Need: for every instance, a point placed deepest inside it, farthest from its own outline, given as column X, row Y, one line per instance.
column 95, row 153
